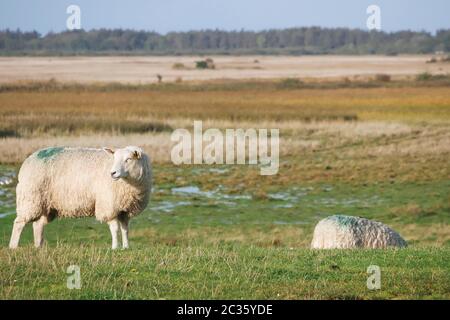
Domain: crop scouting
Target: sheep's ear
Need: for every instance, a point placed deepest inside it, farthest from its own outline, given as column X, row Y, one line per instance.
column 108, row 150
column 137, row 154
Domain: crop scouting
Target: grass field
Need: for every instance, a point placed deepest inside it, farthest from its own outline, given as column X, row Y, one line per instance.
column 128, row 69
column 377, row 150
column 223, row 271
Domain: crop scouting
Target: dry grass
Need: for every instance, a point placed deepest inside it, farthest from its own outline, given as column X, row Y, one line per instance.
column 15, row 150
column 287, row 236
column 427, row 235
column 390, row 142
column 144, row 69
column 384, row 104
column 399, row 132
column 294, row 236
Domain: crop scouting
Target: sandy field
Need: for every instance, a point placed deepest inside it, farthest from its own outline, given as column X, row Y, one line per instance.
column 145, row 69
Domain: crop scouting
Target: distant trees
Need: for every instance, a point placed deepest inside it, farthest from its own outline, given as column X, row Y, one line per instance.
column 311, row 40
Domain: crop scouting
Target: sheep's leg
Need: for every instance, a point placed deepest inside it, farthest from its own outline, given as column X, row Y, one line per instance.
column 114, row 228
column 38, row 231
column 123, row 221
column 17, row 230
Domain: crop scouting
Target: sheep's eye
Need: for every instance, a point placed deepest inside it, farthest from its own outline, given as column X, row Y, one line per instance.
column 128, row 160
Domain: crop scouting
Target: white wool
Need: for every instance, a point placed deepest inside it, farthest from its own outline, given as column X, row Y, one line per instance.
column 345, row 232
column 77, row 182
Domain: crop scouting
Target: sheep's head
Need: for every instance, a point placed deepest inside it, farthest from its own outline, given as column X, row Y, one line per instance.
column 128, row 163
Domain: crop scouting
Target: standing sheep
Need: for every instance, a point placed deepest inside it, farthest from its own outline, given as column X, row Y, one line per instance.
column 345, row 232
column 113, row 186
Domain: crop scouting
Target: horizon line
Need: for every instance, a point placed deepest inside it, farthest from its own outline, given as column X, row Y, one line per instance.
column 50, row 32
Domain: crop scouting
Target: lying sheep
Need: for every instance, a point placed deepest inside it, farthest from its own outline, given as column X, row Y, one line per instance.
column 113, row 186
column 344, row 232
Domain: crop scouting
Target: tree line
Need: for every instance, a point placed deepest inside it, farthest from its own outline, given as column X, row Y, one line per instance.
column 306, row 40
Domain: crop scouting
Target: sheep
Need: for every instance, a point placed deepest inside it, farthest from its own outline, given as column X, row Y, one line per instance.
column 345, row 232
column 113, row 186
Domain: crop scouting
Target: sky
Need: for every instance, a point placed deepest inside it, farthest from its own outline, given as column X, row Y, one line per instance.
column 182, row 15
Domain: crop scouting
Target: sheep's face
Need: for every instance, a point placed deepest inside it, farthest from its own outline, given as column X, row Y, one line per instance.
column 127, row 164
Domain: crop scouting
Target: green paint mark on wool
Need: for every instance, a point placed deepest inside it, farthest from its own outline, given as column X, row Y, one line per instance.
column 46, row 154
column 344, row 221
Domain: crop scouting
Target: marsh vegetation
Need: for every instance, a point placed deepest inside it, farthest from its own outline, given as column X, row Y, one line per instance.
column 377, row 149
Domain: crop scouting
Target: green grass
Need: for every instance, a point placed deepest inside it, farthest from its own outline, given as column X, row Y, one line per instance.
column 220, row 245
column 240, row 234
column 223, row 271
